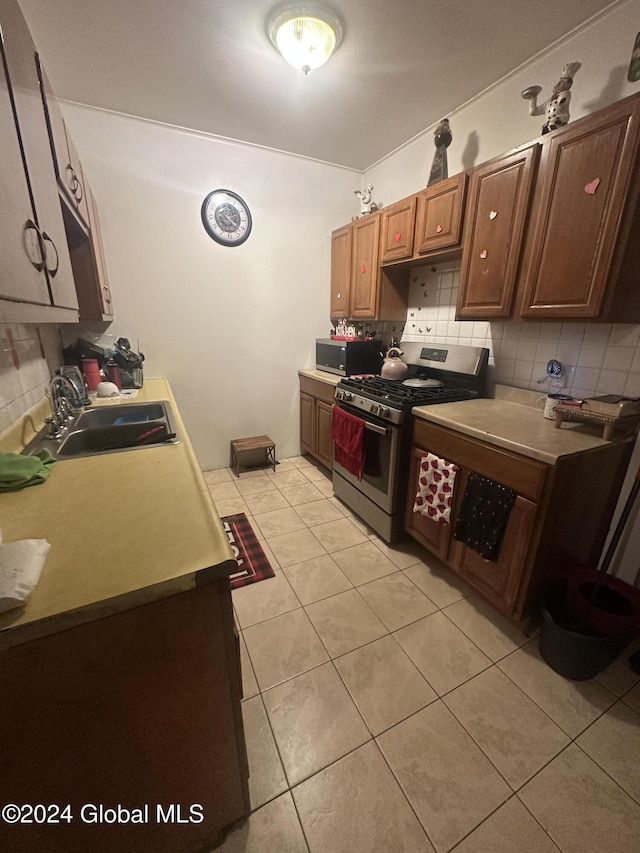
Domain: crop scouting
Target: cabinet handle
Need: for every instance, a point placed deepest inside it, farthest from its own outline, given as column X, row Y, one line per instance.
column 30, row 225
column 74, row 183
column 107, row 295
column 47, row 239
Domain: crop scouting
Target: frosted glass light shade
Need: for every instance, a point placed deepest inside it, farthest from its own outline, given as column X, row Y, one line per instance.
column 306, row 36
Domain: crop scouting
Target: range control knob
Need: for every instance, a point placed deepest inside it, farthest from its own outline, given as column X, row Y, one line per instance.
column 384, row 412
column 374, row 408
column 347, row 395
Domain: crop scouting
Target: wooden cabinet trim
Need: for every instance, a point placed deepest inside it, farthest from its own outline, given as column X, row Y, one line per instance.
column 526, row 476
column 397, row 226
column 365, row 268
column 440, row 206
column 499, row 580
column 562, row 193
column 317, row 389
column 433, row 535
column 499, row 200
column 341, row 243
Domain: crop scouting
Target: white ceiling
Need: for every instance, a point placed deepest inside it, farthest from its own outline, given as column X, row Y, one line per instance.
column 209, row 65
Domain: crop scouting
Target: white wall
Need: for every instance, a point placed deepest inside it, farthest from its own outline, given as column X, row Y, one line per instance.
column 499, row 119
column 229, row 327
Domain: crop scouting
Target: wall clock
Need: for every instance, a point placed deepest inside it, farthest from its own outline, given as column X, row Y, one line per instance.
column 226, row 217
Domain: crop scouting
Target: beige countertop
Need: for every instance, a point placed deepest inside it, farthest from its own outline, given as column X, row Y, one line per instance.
column 125, row 529
column 320, row 375
column 515, row 427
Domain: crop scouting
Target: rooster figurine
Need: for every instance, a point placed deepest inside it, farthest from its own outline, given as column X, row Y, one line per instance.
column 556, row 109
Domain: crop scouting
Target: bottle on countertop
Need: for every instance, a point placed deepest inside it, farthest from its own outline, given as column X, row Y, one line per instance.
column 113, row 374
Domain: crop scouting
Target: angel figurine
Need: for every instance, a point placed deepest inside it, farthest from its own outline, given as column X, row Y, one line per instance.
column 556, row 109
column 442, row 140
column 366, row 204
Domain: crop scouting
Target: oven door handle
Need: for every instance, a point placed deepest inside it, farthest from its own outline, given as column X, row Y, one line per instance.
column 375, row 428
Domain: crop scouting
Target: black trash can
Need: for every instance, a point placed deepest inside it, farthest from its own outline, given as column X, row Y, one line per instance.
column 569, row 646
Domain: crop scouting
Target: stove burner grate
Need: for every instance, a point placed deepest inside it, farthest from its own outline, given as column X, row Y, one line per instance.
column 393, row 392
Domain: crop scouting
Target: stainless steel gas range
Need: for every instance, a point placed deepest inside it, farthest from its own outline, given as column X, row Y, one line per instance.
column 437, row 373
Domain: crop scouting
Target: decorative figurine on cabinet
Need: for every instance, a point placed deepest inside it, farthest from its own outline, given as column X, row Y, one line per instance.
column 442, row 140
column 366, row 204
column 556, row 109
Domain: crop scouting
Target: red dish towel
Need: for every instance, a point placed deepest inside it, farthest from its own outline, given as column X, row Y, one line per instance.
column 347, row 431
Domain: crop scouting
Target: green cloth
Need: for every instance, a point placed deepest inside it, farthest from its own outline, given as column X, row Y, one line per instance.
column 18, row 471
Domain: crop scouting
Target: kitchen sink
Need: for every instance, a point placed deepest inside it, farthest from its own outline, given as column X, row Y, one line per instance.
column 122, row 414
column 111, row 429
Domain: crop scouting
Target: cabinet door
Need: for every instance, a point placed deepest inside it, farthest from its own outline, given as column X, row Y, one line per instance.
column 364, row 267
column 497, row 209
column 439, row 215
column 65, row 157
column 586, row 174
column 499, row 581
column 21, row 276
column 23, row 76
column 397, row 224
column 307, row 426
column 104, row 307
column 324, row 442
column 432, row 534
column 340, row 271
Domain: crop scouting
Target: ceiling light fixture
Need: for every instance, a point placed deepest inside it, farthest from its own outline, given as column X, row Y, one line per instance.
column 306, row 35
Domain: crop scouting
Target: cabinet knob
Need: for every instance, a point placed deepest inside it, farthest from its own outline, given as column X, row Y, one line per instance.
column 439, row 229
column 483, row 254
column 363, row 269
column 397, row 237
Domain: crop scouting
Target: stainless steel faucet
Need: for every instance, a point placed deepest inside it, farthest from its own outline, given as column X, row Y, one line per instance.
column 64, row 398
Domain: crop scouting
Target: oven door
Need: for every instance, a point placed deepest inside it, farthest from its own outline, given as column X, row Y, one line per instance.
column 382, row 446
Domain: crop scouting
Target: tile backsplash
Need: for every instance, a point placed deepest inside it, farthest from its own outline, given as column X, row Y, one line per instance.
column 598, row 358
column 29, row 354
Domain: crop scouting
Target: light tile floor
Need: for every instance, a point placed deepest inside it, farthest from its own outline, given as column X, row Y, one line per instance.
column 388, row 709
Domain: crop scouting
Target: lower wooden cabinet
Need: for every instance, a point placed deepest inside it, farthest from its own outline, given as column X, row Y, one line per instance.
column 316, row 404
column 558, row 523
column 136, row 708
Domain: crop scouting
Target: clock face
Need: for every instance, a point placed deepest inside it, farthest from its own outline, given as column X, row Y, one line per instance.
column 226, row 217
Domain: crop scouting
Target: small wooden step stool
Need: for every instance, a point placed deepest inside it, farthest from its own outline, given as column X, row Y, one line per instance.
column 251, row 454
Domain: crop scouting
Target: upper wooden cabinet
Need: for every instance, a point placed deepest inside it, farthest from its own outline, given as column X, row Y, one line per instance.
column 360, row 288
column 440, row 210
column 583, row 254
column 340, row 271
column 52, row 261
column 65, row 157
column 44, row 229
column 364, row 266
column 21, row 260
column 397, row 224
column 497, row 207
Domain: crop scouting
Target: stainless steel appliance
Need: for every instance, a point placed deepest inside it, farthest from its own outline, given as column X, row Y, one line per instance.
column 346, row 358
column 438, row 373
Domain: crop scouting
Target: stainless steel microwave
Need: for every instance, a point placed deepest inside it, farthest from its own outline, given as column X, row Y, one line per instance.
column 346, row 358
